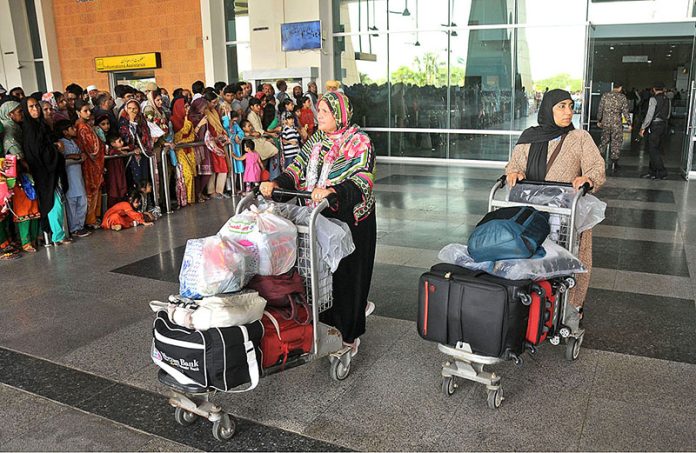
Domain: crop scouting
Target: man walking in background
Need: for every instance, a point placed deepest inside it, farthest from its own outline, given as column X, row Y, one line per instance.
column 612, row 107
column 655, row 123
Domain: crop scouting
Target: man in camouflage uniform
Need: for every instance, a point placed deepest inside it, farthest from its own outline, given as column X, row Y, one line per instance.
column 612, row 106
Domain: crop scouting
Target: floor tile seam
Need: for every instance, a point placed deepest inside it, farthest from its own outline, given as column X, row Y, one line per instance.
column 66, row 407
column 115, row 383
column 587, row 403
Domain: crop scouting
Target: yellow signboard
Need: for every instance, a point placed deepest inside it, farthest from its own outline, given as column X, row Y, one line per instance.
column 129, row 62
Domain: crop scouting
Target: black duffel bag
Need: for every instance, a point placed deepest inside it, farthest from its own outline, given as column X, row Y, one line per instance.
column 220, row 358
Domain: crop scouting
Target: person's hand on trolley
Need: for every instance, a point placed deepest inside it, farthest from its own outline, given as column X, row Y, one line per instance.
column 514, row 177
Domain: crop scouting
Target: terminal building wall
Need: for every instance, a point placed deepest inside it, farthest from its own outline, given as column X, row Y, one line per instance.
column 86, row 30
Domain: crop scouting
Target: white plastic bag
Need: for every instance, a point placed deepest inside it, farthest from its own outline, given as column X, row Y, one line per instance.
column 556, row 263
column 334, row 237
column 274, row 237
column 212, row 266
column 590, row 210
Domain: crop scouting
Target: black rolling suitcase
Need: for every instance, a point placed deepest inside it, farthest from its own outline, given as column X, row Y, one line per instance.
column 456, row 304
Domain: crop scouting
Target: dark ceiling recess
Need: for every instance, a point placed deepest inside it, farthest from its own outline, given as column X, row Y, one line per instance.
column 663, row 53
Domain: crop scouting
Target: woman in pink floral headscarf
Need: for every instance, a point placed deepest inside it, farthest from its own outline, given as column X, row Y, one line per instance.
column 339, row 160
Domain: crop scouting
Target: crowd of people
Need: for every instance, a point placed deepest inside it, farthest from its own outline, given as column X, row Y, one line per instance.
column 63, row 154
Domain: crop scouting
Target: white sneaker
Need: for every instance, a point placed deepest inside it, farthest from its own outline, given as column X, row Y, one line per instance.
column 354, row 347
column 369, row 308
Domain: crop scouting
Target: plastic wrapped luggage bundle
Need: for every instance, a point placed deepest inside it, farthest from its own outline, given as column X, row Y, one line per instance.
column 274, row 237
column 557, row 262
column 589, row 212
column 213, row 266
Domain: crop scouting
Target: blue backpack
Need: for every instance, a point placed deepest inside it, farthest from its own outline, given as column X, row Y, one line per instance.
column 509, row 233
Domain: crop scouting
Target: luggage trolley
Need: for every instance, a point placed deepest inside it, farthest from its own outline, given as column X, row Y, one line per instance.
column 470, row 366
column 191, row 402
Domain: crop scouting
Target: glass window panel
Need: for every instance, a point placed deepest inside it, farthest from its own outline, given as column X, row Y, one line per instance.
column 236, row 20
column 481, row 79
column 380, row 141
column 544, row 12
column 539, row 67
column 232, row 64
column 33, row 29
column 418, row 144
column 354, row 16
column 482, row 12
column 418, row 14
column 364, row 77
column 40, row 76
column 418, row 74
column 632, row 11
column 481, row 147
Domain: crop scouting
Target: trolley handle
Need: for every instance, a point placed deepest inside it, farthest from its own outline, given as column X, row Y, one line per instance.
column 278, row 193
column 585, row 188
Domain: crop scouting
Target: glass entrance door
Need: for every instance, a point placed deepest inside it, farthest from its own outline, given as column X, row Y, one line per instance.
column 587, row 98
column 686, row 165
column 136, row 79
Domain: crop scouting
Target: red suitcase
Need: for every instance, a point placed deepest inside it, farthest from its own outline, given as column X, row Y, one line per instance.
column 540, row 313
column 283, row 338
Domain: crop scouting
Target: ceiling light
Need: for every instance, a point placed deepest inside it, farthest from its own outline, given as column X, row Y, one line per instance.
column 611, row 47
column 649, row 61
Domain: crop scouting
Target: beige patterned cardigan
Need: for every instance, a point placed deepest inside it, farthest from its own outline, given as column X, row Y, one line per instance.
column 579, row 156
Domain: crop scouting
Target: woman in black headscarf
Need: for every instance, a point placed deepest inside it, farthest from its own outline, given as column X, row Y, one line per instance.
column 47, row 167
column 556, row 151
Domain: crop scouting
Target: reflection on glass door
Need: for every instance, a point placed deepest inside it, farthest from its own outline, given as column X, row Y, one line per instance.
column 690, row 135
column 586, row 110
column 136, row 79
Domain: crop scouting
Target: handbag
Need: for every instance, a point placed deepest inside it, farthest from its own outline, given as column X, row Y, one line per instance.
column 285, row 291
column 516, row 232
column 27, row 184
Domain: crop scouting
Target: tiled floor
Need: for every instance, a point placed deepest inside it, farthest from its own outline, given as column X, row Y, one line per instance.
column 75, row 338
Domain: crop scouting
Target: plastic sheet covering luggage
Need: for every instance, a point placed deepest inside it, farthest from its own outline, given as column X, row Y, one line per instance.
column 556, row 263
column 589, row 212
column 334, row 237
column 274, row 237
column 212, row 266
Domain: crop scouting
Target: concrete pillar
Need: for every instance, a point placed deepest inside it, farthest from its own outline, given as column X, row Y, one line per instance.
column 214, row 39
column 49, row 46
column 15, row 46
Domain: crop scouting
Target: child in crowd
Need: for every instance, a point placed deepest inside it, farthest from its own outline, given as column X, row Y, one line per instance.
column 76, row 194
column 237, row 136
column 115, row 178
column 137, row 168
column 307, row 116
column 150, row 211
column 289, row 139
column 252, row 165
column 124, row 214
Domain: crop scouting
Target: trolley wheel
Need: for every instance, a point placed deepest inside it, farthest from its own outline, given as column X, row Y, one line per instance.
column 338, row 370
column 448, row 386
column 572, row 349
column 495, row 398
column 220, row 432
column 184, row 417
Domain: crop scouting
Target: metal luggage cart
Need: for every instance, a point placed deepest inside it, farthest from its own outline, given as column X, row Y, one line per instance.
column 470, row 366
column 191, row 402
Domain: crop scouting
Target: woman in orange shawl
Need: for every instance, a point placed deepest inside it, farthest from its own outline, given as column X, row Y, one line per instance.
column 93, row 166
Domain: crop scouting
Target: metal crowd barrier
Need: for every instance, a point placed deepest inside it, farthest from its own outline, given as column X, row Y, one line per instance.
column 165, row 170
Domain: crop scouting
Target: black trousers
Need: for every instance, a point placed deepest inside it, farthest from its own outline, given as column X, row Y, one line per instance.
column 351, row 282
column 656, row 135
